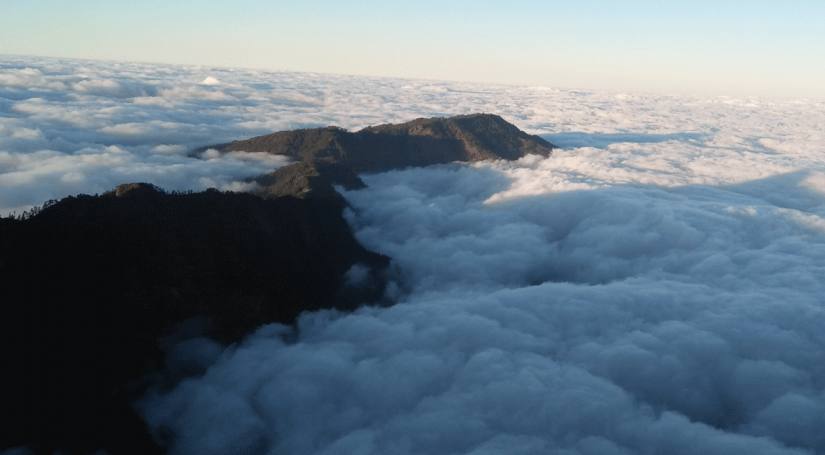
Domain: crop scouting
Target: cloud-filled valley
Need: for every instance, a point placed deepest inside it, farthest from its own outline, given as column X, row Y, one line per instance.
column 654, row 286
column 627, row 319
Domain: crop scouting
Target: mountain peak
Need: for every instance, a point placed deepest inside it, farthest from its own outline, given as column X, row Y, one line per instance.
column 134, row 189
column 419, row 142
column 331, row 155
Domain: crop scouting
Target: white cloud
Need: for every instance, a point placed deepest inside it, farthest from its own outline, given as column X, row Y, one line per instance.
column 209, row 80
column 127, row 129
column 655, row 287
column 614, row 319
column 168, row 149
column 107, row 88
column 32, row 178
column 30, row 78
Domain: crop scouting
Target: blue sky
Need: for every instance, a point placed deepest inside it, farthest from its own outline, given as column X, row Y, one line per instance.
column 764, row 48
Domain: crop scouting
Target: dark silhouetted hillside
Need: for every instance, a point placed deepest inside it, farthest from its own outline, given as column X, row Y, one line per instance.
column 92, row 283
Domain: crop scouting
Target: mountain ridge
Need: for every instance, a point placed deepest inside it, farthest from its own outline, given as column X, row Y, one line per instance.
column 419, row 142
column 97, row 282
column 335, row 156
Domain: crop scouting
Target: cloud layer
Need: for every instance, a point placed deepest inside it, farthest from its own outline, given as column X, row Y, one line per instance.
column 655, row 287
column 69, row 126
column 623, row 319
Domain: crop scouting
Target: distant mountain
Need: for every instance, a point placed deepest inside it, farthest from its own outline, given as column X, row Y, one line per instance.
column 337, row 155
column 95, row 283
column 420, row 142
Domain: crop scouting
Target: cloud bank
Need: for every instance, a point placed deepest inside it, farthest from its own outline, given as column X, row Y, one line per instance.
column 69, row 126
column 620, row 319
column 654, row 287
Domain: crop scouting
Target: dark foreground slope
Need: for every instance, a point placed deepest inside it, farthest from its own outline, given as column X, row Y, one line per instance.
column 93, row 283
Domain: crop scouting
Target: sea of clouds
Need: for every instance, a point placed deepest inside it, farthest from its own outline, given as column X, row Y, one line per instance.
column 656, row 286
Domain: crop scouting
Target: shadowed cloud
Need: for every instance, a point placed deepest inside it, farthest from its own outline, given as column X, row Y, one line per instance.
column 575, row 139
column 609, row 320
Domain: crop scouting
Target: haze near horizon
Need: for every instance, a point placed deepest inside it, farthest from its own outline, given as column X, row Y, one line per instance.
column 700, row 47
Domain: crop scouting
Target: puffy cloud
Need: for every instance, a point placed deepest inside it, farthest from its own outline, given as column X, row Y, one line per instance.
column 654, row 287
column 110, row 88
column 605, row 319
column 71, row 126
column 209, row 80
column 27, row 77
column 32, row 178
